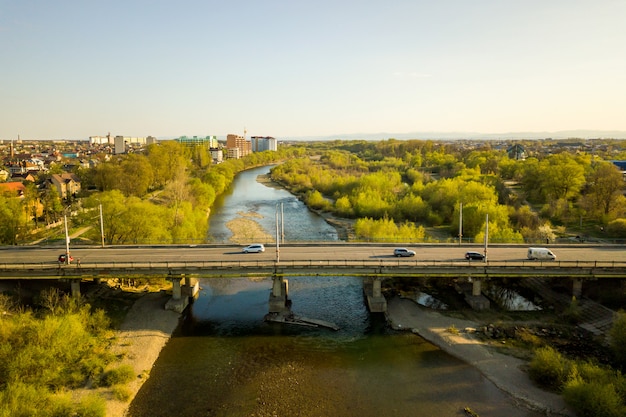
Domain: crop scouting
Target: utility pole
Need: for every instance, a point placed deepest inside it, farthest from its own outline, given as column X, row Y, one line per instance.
column 67, row 242
column 277, row 238
column 282, row 224
column 486, row 235
column 460, row 223
column 101, row 226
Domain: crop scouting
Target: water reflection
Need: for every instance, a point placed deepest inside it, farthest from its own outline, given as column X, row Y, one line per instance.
column 509, row 299
column 429, row 301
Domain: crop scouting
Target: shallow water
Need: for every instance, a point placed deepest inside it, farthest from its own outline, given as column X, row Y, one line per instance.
column 226, row 361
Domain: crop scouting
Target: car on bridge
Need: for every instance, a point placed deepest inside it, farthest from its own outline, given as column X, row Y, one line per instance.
column 254, row 248
column 403, row 252
column 62, row 259
column 474, row 256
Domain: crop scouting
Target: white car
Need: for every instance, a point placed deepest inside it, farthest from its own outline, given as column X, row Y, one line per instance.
column 403, row 252
column 254, row 248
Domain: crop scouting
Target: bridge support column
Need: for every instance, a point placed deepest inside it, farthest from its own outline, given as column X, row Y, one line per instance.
column 75, row 288
column 476, row 287
column 577, row 287
column 477, row 300
column 376, row 302
column 177, row 303
column 279, row 297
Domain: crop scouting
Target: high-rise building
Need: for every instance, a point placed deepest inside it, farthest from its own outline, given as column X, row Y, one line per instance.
column 263, row 143
column 208, row 141
column 238, row 142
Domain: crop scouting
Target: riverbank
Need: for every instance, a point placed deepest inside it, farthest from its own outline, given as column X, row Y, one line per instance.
column 144, row 332
column 506, row 372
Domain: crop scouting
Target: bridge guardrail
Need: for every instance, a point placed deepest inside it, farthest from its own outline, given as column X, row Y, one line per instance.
column 349, row 263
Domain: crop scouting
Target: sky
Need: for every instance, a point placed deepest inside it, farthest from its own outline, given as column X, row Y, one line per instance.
column 309, row 68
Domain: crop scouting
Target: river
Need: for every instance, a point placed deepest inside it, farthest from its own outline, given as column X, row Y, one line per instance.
column 224, row 360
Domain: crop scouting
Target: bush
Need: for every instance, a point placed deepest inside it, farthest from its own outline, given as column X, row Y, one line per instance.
column 116, row 376
column 121, row 392
column 549, row 368
column 593, row 399
column 617, row 228
column 617, row 338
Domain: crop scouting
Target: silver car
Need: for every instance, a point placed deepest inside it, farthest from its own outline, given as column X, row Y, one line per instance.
column 403, row 252
column 254, row 248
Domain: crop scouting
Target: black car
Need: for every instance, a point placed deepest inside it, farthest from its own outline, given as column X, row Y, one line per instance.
column 477, row 256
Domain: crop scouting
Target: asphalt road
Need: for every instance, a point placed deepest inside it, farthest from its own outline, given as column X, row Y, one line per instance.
column 312, row 252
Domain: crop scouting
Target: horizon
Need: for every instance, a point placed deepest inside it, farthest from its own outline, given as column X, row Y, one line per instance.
column 294, row 70
column 562, row 135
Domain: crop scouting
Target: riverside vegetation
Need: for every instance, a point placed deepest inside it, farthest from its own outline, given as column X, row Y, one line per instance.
column 407, row 191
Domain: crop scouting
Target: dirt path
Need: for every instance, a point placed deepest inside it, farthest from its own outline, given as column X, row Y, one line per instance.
column 504, row 371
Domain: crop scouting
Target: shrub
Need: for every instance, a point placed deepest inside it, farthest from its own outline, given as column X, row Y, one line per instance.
column 121, row 392
column 120, row 375
column 549, row 368
column 617, row 338
column 593, row 399
column 91, row 406
column 572, row 313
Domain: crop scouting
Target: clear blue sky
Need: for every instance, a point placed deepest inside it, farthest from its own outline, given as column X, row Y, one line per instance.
column 290, row 68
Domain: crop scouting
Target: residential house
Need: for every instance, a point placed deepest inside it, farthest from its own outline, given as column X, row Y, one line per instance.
column 67, row 184
column 14, row 189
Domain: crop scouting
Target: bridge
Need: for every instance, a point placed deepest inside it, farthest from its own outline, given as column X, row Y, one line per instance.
column 373, row 270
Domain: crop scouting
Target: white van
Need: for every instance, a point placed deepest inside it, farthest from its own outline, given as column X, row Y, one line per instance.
column 541, row 253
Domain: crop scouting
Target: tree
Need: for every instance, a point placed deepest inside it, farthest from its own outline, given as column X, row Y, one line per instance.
column 137, row 175
column 12, row 219
column 561, row 176
column 605, row 183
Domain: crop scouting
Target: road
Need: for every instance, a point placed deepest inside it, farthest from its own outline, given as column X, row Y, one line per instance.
column 313, row 252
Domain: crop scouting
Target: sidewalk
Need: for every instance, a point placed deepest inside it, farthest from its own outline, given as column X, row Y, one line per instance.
column 504, row 371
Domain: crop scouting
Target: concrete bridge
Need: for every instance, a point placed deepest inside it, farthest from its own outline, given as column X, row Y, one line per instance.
column 373, row 270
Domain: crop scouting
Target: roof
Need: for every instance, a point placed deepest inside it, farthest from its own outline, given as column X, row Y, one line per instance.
column 12, row 187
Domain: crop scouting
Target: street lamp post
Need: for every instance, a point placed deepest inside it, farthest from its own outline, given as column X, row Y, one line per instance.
column 460, row 223
column 486, row 235
column 67, row 242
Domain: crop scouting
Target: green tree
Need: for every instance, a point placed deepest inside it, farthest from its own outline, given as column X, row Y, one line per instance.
column 562, row 176
column 605, row 184
column 137, row 175
column 13, row 222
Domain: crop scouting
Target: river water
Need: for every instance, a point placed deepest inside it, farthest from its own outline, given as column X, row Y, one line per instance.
column 225, row 361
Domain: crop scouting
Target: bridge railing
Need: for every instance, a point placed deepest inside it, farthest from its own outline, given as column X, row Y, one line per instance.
column 287, row 264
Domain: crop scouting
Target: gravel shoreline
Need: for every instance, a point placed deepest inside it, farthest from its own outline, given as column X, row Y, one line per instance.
column 503, row 370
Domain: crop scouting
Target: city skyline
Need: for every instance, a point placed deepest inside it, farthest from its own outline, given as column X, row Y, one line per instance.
column 311, row 70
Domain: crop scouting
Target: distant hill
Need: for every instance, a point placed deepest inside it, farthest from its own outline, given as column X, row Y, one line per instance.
column 563, row 134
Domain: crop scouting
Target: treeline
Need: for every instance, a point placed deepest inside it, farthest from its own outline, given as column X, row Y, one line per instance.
column 425, row 183
column 165, row 195
column 162, row 195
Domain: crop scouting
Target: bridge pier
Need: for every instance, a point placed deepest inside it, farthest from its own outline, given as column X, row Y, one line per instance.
column 181, row 294
column 75, row 288
column 376, row 302
column 577, row 287
column 279, row 297
column 476, row 299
